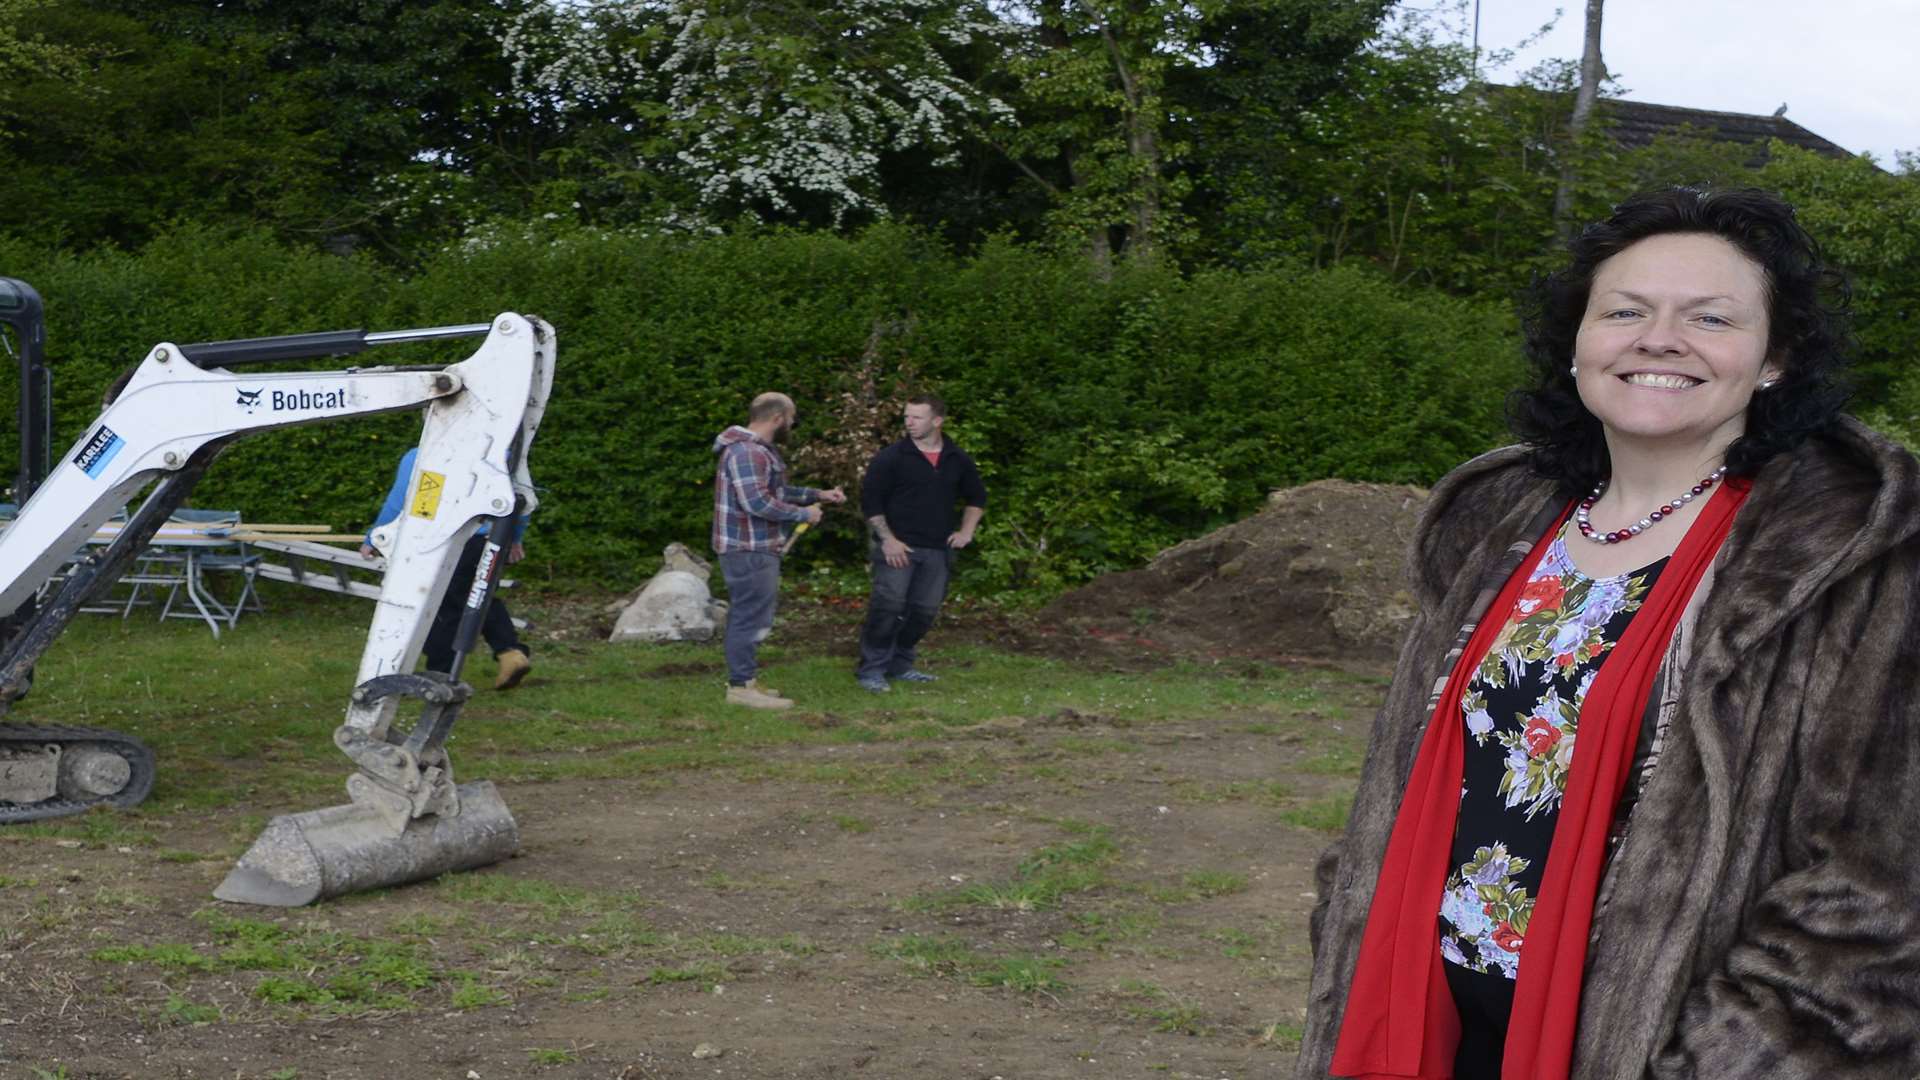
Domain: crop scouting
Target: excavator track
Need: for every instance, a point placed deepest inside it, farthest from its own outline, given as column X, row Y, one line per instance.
column 19, row 742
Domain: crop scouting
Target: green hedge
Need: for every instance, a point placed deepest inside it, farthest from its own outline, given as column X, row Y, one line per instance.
column 1111, row 417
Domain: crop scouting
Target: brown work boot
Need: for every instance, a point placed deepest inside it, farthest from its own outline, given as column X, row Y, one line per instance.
column 514, row 666
column 755, row 696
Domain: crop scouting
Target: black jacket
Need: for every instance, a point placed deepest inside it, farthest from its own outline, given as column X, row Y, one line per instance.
column 916, row 497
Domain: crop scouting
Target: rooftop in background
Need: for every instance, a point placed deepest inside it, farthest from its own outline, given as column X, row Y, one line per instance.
column 1634, row 124
column 1637, row 123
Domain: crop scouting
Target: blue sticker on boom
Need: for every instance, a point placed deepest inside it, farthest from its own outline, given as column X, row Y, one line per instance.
column 99, row 451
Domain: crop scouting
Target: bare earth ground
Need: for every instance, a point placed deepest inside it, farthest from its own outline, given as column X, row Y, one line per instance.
column 712, row 855
column 771, row 921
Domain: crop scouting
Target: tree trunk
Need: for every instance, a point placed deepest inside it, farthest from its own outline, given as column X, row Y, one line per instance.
column 1143, row 153
column 1099, row 247
column 1054, row 35
column 1592, row 70
column 1144, row 143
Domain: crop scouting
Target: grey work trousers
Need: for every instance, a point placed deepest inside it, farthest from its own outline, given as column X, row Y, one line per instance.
column 905, row 601
column 753, row 585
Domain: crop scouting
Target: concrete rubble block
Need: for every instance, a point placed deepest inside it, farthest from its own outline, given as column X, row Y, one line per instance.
column 675, row 605
column 678, row 556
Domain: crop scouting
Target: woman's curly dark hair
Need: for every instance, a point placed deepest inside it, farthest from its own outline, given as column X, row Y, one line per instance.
column 1807, row 320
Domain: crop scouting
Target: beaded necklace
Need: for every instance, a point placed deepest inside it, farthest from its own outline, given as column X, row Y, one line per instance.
column 1667, row 509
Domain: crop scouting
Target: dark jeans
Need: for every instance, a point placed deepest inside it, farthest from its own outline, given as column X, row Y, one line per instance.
column 496, row 627
column 753, row 584
column 905, row 600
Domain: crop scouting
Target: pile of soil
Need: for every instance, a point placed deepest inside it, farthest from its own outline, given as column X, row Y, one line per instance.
column 1318, row 573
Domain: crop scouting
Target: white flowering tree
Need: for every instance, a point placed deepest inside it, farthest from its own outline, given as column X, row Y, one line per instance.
column 781, row 108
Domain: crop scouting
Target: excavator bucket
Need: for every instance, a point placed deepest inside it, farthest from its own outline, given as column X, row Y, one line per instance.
column 310, row 856
column 408, row 820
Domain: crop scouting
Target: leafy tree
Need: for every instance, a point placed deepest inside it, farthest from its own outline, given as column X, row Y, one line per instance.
column 408, row 101
column 784, row 110
column 1868, row 222
column 1093, row 109
column 31, row 54
column 1273, row 66
column 341, row 121
column 172, row 122
column 1076, row 120
column 1414, row 168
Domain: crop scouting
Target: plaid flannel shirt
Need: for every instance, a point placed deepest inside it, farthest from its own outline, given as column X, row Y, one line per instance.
column 752, row 500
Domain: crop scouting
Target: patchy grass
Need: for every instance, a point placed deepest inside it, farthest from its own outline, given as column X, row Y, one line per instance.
column 1235, row 944
column 1024, row 973
column 922, row 955
column 471, row 993
column 227, row 734
column 1099, row 931
column 742, row 945
column 102, row 827
column 954, row 957
column 179, row 1010
column 1064, row 889
column 305, row 969
column 705, row 974
column 1326, row 815
column 1039, row 883
column 174, row 957
column 847, row 823
column 1166, row 1012
column 1208, row 884
column 1341, row 760
column 1282, row 1035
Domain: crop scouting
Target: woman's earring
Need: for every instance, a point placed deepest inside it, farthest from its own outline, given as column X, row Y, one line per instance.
column 1574, row 370
column 1767, row 384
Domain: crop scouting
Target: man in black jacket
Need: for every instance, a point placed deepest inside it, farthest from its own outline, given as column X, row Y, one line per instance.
column 908, row 498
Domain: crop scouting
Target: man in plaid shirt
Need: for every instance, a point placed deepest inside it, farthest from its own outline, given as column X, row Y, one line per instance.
column 753, row 510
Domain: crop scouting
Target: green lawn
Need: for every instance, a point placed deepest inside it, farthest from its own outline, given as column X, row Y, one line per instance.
column 254, row 710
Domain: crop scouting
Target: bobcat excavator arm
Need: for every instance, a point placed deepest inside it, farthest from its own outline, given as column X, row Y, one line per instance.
column 181, row 407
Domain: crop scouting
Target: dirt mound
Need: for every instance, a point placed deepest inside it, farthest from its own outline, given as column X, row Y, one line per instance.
column 1317, row 573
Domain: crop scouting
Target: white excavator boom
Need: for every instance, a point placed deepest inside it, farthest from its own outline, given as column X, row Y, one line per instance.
column 183, row 405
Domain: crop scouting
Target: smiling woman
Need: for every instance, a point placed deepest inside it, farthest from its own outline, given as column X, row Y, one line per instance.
column 1638, row 801
column 1674, row 342
column 1718, row 251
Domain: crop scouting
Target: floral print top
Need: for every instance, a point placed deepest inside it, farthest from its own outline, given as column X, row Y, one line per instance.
column 1522, row 721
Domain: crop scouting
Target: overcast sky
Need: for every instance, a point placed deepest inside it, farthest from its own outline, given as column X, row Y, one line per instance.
column 1847, row 70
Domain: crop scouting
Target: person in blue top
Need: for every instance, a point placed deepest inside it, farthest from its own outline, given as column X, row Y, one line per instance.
column 497, row 627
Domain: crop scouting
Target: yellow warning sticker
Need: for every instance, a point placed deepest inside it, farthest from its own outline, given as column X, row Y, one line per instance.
column 426, row 494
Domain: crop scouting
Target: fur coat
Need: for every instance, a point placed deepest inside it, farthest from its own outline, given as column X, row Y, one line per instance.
column 1760, row 916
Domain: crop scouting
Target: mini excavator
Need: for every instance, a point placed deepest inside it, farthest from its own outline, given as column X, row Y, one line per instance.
column 406, row 818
